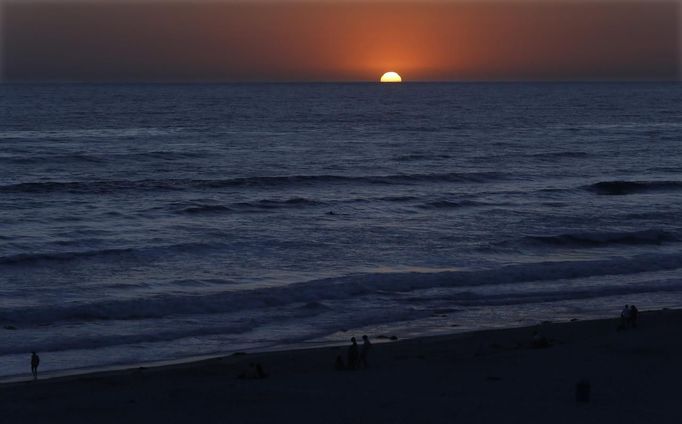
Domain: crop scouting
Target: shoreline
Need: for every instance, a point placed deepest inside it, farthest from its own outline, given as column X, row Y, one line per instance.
column 199, row 360
column 484, row 376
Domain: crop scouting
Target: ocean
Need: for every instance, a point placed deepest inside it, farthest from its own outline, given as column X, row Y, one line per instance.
column 143, row 223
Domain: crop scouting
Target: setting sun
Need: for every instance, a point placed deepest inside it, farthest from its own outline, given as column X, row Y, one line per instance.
column 391, row 77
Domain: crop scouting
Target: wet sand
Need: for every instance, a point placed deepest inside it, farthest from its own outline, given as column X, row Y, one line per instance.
column 635, row 375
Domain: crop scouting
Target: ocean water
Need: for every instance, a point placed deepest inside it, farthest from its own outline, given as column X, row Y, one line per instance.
column 159, row 222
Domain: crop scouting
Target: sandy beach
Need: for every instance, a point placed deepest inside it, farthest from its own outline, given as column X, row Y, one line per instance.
column 202, row 202
column 487, row 376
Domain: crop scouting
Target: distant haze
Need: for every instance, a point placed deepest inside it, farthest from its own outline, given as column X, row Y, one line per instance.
column 339, row 41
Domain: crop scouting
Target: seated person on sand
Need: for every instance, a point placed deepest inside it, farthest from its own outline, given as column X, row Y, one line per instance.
column 353, row 354
column 539, row 341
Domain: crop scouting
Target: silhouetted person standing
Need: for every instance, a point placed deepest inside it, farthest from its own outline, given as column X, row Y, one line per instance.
column 353, row 354
column 625, row 317
column 634, row 312
column 364, row 353
column 35, row 361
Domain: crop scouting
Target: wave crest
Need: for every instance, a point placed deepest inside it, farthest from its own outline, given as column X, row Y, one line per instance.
column 606, row 238
column 348, row 287
column 108, row 186
column 620, row 188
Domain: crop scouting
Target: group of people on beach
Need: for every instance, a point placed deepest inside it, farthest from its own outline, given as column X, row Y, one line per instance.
column 357, row 357
column 628, row 317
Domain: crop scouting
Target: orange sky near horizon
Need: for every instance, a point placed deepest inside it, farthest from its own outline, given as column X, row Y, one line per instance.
column 344, row 41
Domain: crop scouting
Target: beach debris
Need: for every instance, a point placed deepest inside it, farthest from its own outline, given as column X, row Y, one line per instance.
column 10, row 327
column 239, row 354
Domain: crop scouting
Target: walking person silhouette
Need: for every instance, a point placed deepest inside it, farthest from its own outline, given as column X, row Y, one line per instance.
column 35, row 361
column 353, row 354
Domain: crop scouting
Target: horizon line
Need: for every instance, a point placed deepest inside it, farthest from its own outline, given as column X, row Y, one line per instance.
column 274, row 82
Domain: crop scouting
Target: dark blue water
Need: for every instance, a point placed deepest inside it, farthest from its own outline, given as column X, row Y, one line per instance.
column 146, row 222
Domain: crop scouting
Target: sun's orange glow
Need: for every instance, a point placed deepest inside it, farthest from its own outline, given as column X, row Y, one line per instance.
column 297, row 40
column 391, row 77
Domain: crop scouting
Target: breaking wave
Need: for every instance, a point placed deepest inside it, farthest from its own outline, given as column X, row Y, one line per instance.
column 341, row 288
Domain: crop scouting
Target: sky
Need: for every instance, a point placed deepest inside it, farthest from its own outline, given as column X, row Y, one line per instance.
column 191, row 40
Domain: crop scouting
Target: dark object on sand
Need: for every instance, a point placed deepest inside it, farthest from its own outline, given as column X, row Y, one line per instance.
column 10, row 327
column 353, row 354
column 582, row 391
